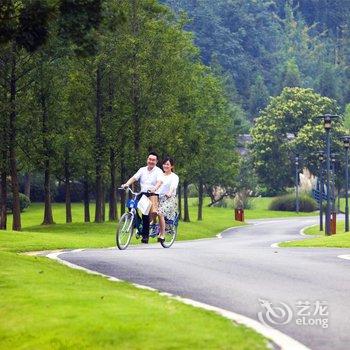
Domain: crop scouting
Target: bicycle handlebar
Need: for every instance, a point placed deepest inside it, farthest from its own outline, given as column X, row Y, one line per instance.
column 130, row 190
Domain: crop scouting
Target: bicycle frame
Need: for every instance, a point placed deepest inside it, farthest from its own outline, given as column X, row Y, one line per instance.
column 131, row 220
column 132, row 206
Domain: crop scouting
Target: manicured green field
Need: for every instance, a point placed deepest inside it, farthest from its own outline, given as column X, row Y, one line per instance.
column 81, row 235
column 45, row 305
column 260, row 210
column 339, row 240
column 49, row 306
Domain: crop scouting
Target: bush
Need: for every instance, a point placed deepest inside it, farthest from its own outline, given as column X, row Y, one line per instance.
column 76, row 194
column 24, row 202
column 247, row 203
column 287, row 203
column 268, row 192
column 227, row 202
column 242, row 200
column 192, row 191
column 37, row 187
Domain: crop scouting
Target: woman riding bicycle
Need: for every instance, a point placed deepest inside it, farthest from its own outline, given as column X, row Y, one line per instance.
column 166, row 188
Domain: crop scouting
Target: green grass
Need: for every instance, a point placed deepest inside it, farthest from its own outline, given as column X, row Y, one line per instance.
column 260, row 210
column 82, row 235
column 339, row 240
column 49, row 306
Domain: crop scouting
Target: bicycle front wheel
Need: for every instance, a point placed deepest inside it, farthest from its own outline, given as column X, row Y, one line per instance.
column 125, row 231
column 170, row 236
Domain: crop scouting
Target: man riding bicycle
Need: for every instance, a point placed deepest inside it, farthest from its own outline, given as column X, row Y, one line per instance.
column 147, row 176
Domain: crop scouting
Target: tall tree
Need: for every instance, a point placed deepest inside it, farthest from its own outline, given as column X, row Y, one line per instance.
column 295, row 111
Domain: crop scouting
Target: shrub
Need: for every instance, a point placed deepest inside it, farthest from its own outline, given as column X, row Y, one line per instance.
column 24, row 202
column 77, row 192
column 192, row 191
column 287, row 203
column 224, row 203
column 242, row 200
column 37, row 187
column 267, row 192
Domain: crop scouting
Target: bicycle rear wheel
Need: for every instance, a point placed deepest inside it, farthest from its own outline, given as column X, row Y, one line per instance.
column 124, row 231
column 170, row 236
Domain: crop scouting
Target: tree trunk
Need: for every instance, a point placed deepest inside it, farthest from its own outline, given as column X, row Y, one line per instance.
column 48, row 218
column 186, row 211
column 112, row 190
column 27, row 177
column 98, row 148
column 16, row 224
column 103, row 202
column 179, row 193
column 67, row 189
column 214, row 201
column 3, row 199
column 210, row 192
column 200, row 200
column 86, row 200
column 122, row 179
column 135, row 85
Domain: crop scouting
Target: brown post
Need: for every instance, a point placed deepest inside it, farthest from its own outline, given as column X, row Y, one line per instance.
column 334, row 223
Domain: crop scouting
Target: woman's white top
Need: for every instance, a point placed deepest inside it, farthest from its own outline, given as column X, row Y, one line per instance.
column 169, row 183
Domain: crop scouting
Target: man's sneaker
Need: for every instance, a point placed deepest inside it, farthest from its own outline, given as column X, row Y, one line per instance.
column 144, row 240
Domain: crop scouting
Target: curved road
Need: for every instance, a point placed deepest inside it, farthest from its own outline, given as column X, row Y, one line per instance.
column 241, row 270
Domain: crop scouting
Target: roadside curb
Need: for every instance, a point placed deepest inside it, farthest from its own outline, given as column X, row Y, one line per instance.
column 346, row 257
column 301, row 232
column 282, row 340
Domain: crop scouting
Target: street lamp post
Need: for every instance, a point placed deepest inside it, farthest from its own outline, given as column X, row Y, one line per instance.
column 321, row 159
column 297, row 183
column 346, row 140
column 333, row 160
column 327, row 126
column 327, row 123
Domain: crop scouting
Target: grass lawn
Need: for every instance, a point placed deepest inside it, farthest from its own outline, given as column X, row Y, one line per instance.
column 339, row 240
column 81, row 235
column 49, row 306
column 45, row 305
column 260, row 210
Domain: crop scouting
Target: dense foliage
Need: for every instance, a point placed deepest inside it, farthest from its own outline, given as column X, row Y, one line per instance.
column 288, row 203
column 88, row 87
column 106, row 83
column 266, row 45
column 288, row 126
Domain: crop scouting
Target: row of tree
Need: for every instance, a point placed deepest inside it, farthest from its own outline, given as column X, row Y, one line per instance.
column 88, row 87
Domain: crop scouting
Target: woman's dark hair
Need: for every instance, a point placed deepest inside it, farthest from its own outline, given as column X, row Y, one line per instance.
column 168, row 159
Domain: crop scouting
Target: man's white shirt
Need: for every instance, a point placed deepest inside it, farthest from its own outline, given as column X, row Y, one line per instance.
column 148, row 179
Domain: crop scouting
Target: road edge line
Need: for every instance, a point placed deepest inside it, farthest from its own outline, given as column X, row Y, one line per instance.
column 284, row 341
column 344, row 256
column 301, row 232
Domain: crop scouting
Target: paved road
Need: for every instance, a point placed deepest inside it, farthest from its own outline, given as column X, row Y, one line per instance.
column 236, row 271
